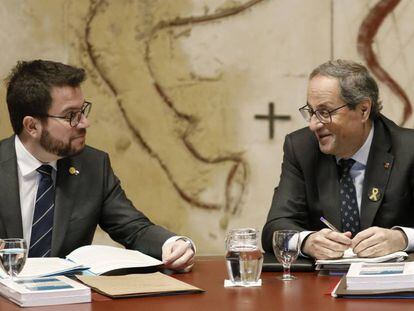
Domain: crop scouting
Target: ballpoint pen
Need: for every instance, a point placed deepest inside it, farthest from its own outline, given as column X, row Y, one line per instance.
column 328, row 224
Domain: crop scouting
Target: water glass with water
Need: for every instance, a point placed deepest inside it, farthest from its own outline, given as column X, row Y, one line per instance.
column 243, row 256
column 13, row 253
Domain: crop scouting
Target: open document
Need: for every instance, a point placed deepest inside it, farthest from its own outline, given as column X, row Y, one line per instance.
column 349, row 258
column 95, row 259
column 47, row 266
column 102, row 259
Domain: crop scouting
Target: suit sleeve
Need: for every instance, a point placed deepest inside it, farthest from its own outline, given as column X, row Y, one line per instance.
column 289, row 209
column 124, row 223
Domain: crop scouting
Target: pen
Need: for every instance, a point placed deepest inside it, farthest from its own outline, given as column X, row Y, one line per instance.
column 328, row 224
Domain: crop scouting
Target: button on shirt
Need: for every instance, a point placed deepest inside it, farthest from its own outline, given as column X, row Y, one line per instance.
column 28, row 184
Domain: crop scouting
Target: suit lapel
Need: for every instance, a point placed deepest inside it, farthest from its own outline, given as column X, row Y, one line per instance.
column 65, row 198
column 327, row 181
column 10, row 211
column 377, row 173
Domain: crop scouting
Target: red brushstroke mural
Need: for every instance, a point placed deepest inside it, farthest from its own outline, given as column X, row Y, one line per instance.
column 367, row 31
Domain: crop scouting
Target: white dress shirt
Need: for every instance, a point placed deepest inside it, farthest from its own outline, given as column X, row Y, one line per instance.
column 28, row 183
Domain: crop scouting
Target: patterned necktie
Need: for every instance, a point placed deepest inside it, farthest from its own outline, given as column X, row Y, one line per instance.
column 41, row 238
column 347, row 198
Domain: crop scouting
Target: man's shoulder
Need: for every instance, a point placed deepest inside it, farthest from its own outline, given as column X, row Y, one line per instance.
column 7, row 150
column 397, row 132
column 303, row 136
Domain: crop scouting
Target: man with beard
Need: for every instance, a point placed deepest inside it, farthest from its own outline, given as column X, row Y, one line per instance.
column 352, row 166
column 55, row 189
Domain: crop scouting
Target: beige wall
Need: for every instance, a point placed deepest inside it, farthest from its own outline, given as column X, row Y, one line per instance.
column 189, row 76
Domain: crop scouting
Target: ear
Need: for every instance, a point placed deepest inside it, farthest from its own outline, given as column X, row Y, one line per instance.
column 365, row 108
column 32, row 126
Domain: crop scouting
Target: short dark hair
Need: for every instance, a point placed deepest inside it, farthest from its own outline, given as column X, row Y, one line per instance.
column 29, row 85
column 355, row 82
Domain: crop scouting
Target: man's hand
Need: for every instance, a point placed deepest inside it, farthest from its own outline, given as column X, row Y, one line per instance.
column 178, row 255
column 376, row 241
column 327, row 244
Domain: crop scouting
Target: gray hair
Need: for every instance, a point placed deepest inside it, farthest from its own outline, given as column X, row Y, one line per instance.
column 355, row 82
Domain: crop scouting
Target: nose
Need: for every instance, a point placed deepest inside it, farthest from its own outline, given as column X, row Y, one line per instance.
column 84, row 122
column 314, row 123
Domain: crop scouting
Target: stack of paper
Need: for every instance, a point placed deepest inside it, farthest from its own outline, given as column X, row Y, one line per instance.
column 46, row 266
column 380, row 276
column 341, row 265
column 44, row 291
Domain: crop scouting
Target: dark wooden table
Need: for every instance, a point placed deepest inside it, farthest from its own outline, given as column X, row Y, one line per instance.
column 308, row 292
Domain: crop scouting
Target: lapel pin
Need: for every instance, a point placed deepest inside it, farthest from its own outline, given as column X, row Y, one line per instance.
column 73, row 171
column 386, row 165
column 375, row 194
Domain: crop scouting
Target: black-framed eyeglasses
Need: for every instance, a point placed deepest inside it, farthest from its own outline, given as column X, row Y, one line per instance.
column 74, row 117
column 324, row 115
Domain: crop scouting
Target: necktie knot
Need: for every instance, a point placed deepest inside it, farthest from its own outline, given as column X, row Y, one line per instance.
column 45, row 170
column 346, row 164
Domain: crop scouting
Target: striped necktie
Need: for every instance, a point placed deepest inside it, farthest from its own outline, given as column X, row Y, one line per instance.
column 347, row 197
column 41, row 237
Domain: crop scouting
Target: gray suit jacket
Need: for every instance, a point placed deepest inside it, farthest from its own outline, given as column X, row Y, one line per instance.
column 82, row 202
column 309, row 186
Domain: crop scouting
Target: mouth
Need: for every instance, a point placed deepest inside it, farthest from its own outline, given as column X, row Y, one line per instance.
column 323, row 137
column 82, row 137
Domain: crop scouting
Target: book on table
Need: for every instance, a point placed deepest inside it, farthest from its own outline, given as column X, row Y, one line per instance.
column 341, row 291
column 54, row 290
column 377, row 280
column 92, row 259
column 379, row 276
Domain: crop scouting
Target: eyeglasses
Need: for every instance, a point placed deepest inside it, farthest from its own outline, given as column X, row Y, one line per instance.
column 74, row 117
column 324, row 115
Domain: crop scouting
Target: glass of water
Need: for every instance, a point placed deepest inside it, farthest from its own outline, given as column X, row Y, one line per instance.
column 244, row 258
column 286, row 248
column 13, row 256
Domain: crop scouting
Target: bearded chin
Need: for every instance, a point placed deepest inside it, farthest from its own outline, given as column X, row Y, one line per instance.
column 57, row 147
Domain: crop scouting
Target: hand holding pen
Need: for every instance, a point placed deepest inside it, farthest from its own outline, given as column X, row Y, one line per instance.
column 328, row 224
column 327, row 243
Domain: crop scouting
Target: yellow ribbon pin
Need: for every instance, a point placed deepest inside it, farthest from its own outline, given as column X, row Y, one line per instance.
column 73, row 171
column 375, row 194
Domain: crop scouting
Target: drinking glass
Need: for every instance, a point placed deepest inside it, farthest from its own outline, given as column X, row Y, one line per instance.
column 244, row 258
column 286, row 248
column 13, row 256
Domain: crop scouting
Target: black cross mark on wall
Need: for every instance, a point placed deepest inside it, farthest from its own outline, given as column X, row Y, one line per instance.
column 271, row 117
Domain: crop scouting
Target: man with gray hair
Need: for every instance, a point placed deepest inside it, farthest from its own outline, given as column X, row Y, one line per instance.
column 352, row 166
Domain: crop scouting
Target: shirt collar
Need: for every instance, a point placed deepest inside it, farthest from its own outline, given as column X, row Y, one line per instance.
column 26, row 162
column 361, row 156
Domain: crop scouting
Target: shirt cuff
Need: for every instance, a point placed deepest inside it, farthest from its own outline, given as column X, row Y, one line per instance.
column 302, row 236
column 409, row 232
column 181, row 237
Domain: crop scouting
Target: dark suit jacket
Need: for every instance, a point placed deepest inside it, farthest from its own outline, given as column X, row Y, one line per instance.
column 82, row 202
column 309, row 186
